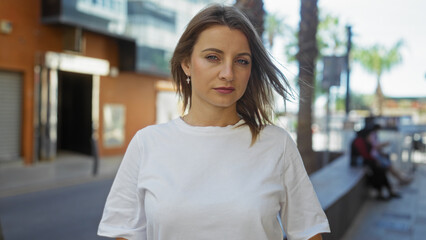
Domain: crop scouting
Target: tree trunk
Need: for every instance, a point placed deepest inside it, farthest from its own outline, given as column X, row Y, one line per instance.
column 379, row 99
column 253, row 9
column 306, row 57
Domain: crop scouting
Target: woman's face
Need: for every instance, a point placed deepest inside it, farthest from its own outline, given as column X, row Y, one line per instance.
column 220, row 67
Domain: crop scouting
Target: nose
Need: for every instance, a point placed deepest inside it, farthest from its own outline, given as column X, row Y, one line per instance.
column 226, row 72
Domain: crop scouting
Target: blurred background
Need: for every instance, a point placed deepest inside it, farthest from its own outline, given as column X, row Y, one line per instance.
column 78, row 78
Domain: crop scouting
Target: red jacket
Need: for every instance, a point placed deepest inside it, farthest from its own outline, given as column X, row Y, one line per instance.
column 363, row 148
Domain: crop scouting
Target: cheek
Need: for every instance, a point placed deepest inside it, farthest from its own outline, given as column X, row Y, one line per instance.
column 242, row 86
column 198, row 67
column 245, row 78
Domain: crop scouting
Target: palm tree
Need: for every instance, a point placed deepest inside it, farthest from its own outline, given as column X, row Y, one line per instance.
column 275, row 25
column 274, row 28
column 306, row 57
column 331, row 40
column 377, row 60
column 254, row 11
column 331, row 36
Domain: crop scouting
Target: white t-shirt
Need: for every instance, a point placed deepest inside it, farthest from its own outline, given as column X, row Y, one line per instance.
column 178, row 181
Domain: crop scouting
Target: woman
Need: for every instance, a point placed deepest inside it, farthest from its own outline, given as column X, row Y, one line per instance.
column 383, row 159
column 363, row 146
column 360, row 146
column 220, row 171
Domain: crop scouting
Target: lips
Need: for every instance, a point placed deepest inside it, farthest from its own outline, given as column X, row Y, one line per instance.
column 225, row 90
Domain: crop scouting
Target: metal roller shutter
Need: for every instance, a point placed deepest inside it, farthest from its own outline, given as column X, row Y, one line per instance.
column 10, row 115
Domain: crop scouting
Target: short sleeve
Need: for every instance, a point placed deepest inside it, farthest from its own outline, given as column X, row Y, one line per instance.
column 301, row 213
column 124, row 213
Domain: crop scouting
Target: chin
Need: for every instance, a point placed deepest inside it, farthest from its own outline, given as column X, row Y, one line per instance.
column 225, row 105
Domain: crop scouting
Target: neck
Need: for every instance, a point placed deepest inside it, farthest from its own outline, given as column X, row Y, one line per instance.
column 207, row 117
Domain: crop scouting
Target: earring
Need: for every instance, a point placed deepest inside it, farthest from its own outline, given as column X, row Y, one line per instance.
column 188, row 79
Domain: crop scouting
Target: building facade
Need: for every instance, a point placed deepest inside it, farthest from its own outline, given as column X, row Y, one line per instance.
column 81, row 75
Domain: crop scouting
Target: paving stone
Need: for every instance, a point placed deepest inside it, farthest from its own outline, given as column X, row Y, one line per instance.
column 421, row 219
column 399, row 219
column 397, row 215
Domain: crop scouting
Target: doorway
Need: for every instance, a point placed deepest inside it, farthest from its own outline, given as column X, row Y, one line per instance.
column 74, row 112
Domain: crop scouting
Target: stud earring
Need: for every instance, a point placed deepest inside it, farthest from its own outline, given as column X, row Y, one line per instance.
column 188, row 79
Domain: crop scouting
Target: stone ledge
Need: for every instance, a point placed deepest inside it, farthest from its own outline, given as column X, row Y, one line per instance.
column 342, row 191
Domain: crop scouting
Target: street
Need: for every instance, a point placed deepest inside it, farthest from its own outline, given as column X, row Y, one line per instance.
column 63, row 213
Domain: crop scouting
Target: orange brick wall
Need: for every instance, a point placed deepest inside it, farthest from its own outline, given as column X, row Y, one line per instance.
column 138, row 95
column 20, row 50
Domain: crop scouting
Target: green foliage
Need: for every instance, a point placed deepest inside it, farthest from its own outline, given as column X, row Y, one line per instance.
column 292, row 47
column 274, row 26
column 358, row 102
column 377, row 58
column 331, row 36
column 331, row 40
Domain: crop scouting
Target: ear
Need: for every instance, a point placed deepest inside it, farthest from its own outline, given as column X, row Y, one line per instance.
column 186, row 67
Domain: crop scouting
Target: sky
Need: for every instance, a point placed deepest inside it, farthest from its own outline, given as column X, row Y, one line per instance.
column 381, row 22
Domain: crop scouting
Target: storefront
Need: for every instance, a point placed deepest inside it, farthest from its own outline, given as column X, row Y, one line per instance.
column 67, row 103
column 64, row 87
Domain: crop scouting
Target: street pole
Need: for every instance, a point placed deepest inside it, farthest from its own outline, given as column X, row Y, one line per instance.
column 348, row 70
column 326, row 154
column 347, row 126
column 95, row 153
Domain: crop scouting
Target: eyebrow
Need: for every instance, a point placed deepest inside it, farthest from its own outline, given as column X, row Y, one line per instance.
column 221, row 52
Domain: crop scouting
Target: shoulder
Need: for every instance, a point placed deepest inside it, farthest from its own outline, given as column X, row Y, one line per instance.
column 276, row 133
column 281, row 137
column 278, row 137
column 158, row 127
column 156, row 130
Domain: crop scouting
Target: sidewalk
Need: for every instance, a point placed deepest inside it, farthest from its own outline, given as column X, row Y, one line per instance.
column 402, row 219
column 68, row 169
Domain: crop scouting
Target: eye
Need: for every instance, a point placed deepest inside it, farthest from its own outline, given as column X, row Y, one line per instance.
column 242, row 61
column 212, row 58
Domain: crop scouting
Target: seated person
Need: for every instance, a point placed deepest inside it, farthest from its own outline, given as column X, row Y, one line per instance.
column 383, row 159
column 360, row 146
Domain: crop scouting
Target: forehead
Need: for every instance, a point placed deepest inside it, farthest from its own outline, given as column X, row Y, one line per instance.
column 224, row 38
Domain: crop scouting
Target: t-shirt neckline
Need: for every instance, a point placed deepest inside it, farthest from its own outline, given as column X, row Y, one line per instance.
column 181, row 124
